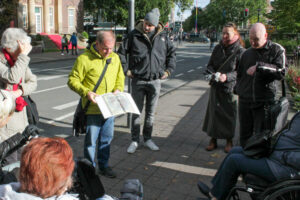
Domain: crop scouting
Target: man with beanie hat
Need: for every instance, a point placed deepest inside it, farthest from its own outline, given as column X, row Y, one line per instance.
column 151, row 59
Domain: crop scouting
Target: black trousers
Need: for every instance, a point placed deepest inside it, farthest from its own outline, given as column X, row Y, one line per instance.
column 251, row 117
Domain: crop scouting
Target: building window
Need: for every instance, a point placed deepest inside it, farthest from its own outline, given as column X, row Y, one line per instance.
column 71, row 17
column 24, row 12
column 51, row 17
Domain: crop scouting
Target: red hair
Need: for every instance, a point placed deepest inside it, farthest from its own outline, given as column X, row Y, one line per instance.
column 46, row 166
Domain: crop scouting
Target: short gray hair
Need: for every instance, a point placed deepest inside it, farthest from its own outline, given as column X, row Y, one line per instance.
column 103, row 35
column 10, row 37
column 7, row 104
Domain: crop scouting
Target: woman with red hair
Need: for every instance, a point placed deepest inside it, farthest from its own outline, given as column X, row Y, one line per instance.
column 45, row 173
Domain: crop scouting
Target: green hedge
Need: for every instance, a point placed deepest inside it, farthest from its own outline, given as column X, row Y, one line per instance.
column 289, row 44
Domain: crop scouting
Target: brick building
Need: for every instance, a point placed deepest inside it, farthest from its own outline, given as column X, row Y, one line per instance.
column 50, row 16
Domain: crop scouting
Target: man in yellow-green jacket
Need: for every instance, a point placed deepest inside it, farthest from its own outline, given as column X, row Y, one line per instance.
column 82, row 79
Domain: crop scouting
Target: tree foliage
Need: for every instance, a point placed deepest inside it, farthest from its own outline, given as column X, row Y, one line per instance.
column 8, row 13
column 219, row 12
column 286, row 15
column 117, row 10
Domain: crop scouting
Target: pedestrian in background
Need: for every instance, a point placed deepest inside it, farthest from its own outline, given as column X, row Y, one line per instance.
column 151, row 58
column 220, row 118
column 259, row 67
column 73, row 41
column 82, row 79
column 64, row 44
column 16, row 77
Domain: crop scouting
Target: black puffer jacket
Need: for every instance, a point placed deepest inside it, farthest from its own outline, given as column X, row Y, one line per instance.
column 9, row 146
column 147, row 59
column 271, row 66
column 222, row 55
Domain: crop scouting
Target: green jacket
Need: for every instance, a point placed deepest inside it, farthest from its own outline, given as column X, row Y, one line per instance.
column 86, row 72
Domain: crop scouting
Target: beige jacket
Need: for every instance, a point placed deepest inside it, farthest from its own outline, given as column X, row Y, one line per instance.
column 8, row 77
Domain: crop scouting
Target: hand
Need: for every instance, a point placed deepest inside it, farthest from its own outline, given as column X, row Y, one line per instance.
column 129, row 74
column 222, row 78
column 165, row 75
column 30, row 131
column 25, row 48
column 116, row 91
column 251, row 70
column 91, row 96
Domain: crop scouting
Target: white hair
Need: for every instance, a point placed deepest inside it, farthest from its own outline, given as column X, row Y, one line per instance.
column 7, row 104
column 10, row 37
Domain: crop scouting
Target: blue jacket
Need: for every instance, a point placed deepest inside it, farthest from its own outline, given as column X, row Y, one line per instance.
column 284, row 161
column 73, row 40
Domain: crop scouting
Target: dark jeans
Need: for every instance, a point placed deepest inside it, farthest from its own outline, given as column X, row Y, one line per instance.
column 74, row 46
column 63, row 47
column 235, row 164
column 251, row 116
column 142, row 90
column 101, row 130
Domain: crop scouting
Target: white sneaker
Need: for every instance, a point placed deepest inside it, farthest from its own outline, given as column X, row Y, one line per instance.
column 150, row 144
column 132, row 147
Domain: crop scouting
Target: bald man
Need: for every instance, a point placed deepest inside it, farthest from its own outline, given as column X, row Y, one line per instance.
column 83, row 80
column 260, row 65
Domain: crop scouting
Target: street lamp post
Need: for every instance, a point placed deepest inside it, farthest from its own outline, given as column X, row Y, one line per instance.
column 115, row 18
column 258, row 14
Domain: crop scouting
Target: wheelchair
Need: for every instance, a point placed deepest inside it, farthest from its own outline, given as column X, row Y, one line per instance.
column 259, row 189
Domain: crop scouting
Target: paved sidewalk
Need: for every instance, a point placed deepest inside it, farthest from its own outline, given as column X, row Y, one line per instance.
column 172, row 172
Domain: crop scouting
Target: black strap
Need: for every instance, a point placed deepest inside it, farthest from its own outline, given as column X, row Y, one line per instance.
column 108, row 61
column 233, row 54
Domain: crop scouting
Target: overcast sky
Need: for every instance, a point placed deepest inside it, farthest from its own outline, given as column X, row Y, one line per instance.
column 187, row 13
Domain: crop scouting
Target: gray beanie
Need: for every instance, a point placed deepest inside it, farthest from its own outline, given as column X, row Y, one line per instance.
column 153, row 16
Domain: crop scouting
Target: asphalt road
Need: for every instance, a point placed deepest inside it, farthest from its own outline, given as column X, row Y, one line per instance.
column 56, row 102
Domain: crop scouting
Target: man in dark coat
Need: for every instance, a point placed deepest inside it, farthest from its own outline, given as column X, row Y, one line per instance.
column 259, row 67
column 151, row 58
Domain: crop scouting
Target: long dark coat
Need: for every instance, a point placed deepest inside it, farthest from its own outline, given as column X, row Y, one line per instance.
column 220, row 119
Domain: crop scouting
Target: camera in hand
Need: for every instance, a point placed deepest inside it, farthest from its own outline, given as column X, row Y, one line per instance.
column 212, row 76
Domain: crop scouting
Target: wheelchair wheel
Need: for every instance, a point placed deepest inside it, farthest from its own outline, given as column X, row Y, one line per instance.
column 286, row 193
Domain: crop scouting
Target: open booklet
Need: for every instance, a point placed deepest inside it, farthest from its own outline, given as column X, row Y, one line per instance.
column 116, row 104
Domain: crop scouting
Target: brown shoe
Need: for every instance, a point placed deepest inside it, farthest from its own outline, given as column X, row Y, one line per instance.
column 212, row 144
column 228, row 146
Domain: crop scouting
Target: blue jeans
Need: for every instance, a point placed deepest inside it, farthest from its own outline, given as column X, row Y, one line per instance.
column 142, row 90
column 101, row 130
column 235, row 164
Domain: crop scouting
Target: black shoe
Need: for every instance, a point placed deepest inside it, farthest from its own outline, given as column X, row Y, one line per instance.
column 204, row 189
column 108, row 172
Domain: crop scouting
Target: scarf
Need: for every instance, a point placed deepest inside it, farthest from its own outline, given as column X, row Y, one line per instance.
column 20, row 102
column 229, row 42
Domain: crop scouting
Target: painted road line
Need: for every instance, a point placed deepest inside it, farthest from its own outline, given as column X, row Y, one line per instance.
column 60, row 118
column 191, row 71
column 49, row 89
column 199, row 67
column 180, row 60
column 67, row 105
column 179, row 75
column 47, row 78
column 44, row 70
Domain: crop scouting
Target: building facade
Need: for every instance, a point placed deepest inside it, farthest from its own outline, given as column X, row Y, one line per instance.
column 50, row 16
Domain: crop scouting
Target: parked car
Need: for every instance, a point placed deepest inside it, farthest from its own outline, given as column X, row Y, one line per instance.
column 198, row 38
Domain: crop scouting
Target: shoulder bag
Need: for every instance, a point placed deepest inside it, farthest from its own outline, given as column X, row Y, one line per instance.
column 261, row 145
column 32, row 111
column 79, row 119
